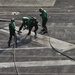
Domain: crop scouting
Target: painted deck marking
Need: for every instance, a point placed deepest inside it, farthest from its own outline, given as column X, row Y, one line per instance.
column 38, row 63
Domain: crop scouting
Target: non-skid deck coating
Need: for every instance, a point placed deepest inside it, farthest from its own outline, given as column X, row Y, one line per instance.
column 27, row 2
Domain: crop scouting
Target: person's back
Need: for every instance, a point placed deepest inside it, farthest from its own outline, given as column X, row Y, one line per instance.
column 44, row 14
column 26, row 21
column 25, row 24
column 33, row 21
column 12, row 27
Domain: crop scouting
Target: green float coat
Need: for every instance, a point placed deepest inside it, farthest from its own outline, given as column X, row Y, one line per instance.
column 44, row 14
column 12, row 27
column 26, row 20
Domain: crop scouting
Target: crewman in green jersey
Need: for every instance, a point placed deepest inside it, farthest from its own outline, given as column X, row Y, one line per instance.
column 25, row 23
column 44, row 20
column 12, row 32
column 33, row 23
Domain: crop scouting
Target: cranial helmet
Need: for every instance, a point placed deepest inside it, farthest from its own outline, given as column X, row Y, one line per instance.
column 24, row 18
column 12, row 19
column 41, row 9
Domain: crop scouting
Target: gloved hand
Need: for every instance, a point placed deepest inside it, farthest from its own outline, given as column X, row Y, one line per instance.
column 40, row 14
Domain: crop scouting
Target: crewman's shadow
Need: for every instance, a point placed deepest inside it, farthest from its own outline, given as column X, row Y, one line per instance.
column 24, row 41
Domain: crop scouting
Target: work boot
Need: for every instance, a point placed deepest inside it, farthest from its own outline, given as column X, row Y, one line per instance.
column 44, row 32
column 8, row 44
column 35, row 36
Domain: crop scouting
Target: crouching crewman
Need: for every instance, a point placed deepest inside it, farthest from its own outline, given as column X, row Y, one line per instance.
column 24, row 24
column 33, row 23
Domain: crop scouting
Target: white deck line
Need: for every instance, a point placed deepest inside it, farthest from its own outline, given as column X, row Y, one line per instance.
column 44, row 40
column 38, row 63
column 26, row 48
column 62, row 13
column 53, row 3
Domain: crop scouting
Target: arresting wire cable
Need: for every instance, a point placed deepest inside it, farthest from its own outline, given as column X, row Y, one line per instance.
column 56, row 50
column 14, row 59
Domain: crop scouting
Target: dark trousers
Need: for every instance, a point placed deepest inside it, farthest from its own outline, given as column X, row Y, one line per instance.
column 21, row 27
column 10, row 38
column 44, row 21
column 30, row 28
